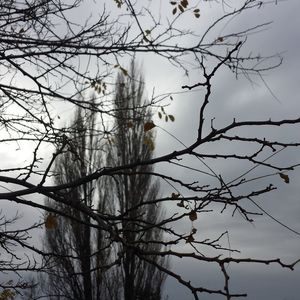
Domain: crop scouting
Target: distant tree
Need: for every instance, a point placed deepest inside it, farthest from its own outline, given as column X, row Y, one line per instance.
column 130, row 190
column 76, row 247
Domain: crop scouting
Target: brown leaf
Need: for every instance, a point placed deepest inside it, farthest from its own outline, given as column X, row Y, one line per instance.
column 50, row 222
column 189, row 239
column 285, row 177
column 180, row 204
column 194, row 230
column 148, row 126
column 181, row 8
column 197, row 16
column 184, row 3
column 174, row 11
column 172, row 118
column 129, row 124
column 175, row 196
column 173, row 3
column 124, row 71
column 159, row 115
column 193, row 215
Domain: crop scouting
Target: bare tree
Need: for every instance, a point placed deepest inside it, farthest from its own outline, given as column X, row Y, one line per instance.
column 50, row 57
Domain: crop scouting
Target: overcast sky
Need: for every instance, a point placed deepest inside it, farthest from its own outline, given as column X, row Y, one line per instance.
column 243, row 100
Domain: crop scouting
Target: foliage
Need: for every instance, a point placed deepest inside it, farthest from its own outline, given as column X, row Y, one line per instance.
column 138, row 224
column 77, row 247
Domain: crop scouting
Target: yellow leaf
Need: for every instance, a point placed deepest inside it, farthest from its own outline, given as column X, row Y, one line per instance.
column 50, row 222
column 285, row 177
column 148, row 126
column 149, row 142
column 7, row 294
column 184, row 3
column 193, row 215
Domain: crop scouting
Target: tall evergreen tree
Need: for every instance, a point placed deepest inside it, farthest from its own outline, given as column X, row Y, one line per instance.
column 140, row 280
column 76, row 247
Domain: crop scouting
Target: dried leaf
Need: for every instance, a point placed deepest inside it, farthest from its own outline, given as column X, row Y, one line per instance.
column 174, row 11
column 166, row 118
column 173, row 2
column 148, row 126
column 193, row 215
column 180, row 204
column 197, row 16
column 184, row 3
column 129, row 124
column 285, row 177
column 147, row 31
column 175, row 196
column 149, row 142
column 189, row 239
column 159, row 115
column 197, row 10
column 181, row 8
column 125, row 72
column 172, row 118
column 7, row 294
column 50, row 222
